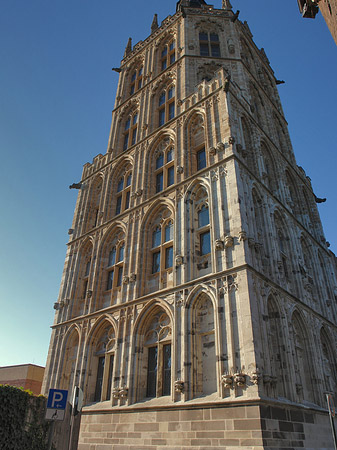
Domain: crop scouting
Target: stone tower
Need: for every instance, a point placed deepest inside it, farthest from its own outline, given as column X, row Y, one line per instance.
column 198, row 301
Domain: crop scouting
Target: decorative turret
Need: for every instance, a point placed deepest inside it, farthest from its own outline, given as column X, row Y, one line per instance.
column 226, row 4
column 128, row 48
column 154, row 25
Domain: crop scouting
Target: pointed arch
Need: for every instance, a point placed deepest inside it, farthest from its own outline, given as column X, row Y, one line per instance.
column 277, row 355
column 156, row 243
column 329, row 365
column 202, row 339
column 70, row 349
column 249, row 151
column 195, row 139
column 112, row 255
column 101, row 346
column 302, row 359
column 161, row 162
column 153, row 341
column 269, row 174
column 93, row 215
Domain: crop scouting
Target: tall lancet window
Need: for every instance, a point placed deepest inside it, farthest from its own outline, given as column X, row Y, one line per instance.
column 164, row 168
column 123, row 193
column 136, row 80
column 166, row 105
column 167, row 55
column 130, row 130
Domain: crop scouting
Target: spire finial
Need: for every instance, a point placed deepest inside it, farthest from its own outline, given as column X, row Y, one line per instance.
column 154, row 25
column 226, row 4
column 128, row 48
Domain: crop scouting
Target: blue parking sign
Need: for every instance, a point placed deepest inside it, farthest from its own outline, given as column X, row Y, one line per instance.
column 57, row 399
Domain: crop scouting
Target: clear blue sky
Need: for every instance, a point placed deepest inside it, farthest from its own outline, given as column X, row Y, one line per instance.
column 56, row 96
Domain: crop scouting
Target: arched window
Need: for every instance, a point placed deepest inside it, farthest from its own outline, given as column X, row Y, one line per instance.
column 268, row 175
column 248, row 151
column 276, row 347
column 282, row 240
column 130, row 130
column 302, row 361
column 167, row 55
column 101, row 364
column 166, row 105
column 329, row 363
column 162, row 247
column 82, row 290
column 196, row 158
column 123, row 192
column 115, row 267
column 94, row 204
column 110, row 278
column 154, row 364
column 203, row 353
column 164, row 168
column 209, row 44
column 136, row 80
column 157, row 257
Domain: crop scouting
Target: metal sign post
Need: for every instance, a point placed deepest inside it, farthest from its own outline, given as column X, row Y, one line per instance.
column 56, row 405
column 332, row 414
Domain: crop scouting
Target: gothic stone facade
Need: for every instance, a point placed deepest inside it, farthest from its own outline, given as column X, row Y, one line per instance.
column 198, row 301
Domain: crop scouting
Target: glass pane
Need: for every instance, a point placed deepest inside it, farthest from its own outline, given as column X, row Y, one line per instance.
column 214, row 37
column 203, row 217
column 201, row 159
column 168, row 257
column 159, row 161
column 128, row 123
column 132, row 90
column 156, row 237
column 159, row 182
column 172, row 45
column 126, row 142
column 167, row 369
column 162, row 99
column 151, row 390
column 127, row 200
column 169, row 232
column 120, row 185
column 169, row 155
column 135, row 119
column 140, row 73
column 161, row 117
column 203, row 37
column 171, row 92
column 164, row 52
column 163, row 65
column 110, row 280
column 134, row 136
column 111, row 365
column 112, row 257
column 171, row 110
column 139, row 84
column 172, row 58
column 170, row 176
column 215, row 50
column 99, row 379
column 128, row 180
column 121, row 253
column 120, row 276
column 134, row 75
column 156, row 262
column 204, row 50
column 205, row 243
column 119, row 205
